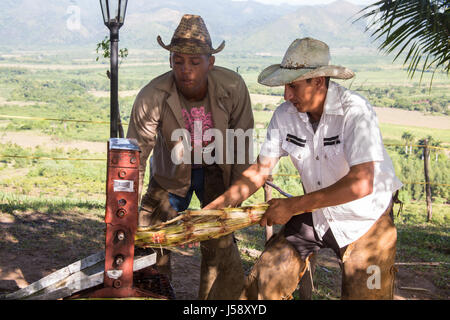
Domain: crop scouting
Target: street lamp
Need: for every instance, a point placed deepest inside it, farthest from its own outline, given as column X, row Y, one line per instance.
column 114, row 16
column 122, row 181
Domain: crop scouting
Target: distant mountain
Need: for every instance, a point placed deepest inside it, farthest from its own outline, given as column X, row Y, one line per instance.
column 246, row 26
column 330, row 23
column 30, row 24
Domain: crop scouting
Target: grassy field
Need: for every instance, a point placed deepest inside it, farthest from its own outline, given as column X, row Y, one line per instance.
column 52, row 205
column 394, row 132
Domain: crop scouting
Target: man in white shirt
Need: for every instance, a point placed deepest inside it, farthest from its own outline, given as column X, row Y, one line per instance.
column 332, row 137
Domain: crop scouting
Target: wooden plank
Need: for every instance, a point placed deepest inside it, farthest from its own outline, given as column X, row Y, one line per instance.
column 144, row 262
column 81, row 282
column 85, row 279
column 80, row 275
column 57, row 276
column 55, row 295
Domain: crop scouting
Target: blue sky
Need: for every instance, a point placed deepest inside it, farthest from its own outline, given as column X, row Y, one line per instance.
column 310, row 2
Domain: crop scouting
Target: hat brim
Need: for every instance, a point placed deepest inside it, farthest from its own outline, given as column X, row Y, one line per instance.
column 191, row 47
column 274, row 75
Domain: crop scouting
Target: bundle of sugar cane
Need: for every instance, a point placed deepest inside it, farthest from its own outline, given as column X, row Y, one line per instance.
column 199, row 225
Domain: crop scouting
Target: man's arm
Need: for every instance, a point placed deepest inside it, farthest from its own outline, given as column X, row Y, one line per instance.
column 357, row 184
column 241, row 117
column 144, row 119
column 249, row 182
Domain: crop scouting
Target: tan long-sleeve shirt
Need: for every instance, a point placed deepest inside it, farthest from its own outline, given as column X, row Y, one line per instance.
column 157, row 113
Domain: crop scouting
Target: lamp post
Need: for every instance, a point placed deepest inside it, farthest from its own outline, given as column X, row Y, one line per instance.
column 122, row 179
column 114, row 16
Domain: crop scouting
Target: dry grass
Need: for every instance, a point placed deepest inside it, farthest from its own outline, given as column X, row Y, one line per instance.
column 35, row 139
column 411, row 118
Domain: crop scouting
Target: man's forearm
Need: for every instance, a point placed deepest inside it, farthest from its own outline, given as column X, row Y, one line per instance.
column 248, row 183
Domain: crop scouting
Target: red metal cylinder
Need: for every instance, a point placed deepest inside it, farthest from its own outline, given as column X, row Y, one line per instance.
column 121, row 215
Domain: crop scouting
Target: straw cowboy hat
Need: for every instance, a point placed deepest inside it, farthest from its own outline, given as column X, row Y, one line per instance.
column 191, row 37
column 304, row 59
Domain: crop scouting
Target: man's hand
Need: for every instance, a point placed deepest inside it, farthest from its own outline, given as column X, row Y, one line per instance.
column 280, row 211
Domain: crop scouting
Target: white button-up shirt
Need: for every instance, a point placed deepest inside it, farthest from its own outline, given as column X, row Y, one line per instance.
column 348, row 134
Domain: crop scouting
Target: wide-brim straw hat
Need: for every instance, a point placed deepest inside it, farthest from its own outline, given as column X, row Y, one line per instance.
column 304, row 59
column 191, row 37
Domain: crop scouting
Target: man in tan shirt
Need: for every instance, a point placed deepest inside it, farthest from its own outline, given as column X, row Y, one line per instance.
column 170, row 117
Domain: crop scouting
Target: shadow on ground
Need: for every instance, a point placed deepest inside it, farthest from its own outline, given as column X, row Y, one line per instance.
column 40, row 238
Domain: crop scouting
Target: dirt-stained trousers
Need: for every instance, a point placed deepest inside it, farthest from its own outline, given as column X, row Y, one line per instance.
column 367, row 264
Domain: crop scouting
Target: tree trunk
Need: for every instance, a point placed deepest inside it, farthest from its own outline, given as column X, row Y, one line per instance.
column 426, row 159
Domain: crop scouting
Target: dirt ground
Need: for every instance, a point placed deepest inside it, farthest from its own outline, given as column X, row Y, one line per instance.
column 411, row 118
column 34, row 139
column 19, row 269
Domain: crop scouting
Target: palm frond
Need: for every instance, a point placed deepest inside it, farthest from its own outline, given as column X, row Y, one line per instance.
column 417, row 28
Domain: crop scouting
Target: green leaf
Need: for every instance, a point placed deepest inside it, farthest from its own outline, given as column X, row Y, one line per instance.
column 419, row 28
